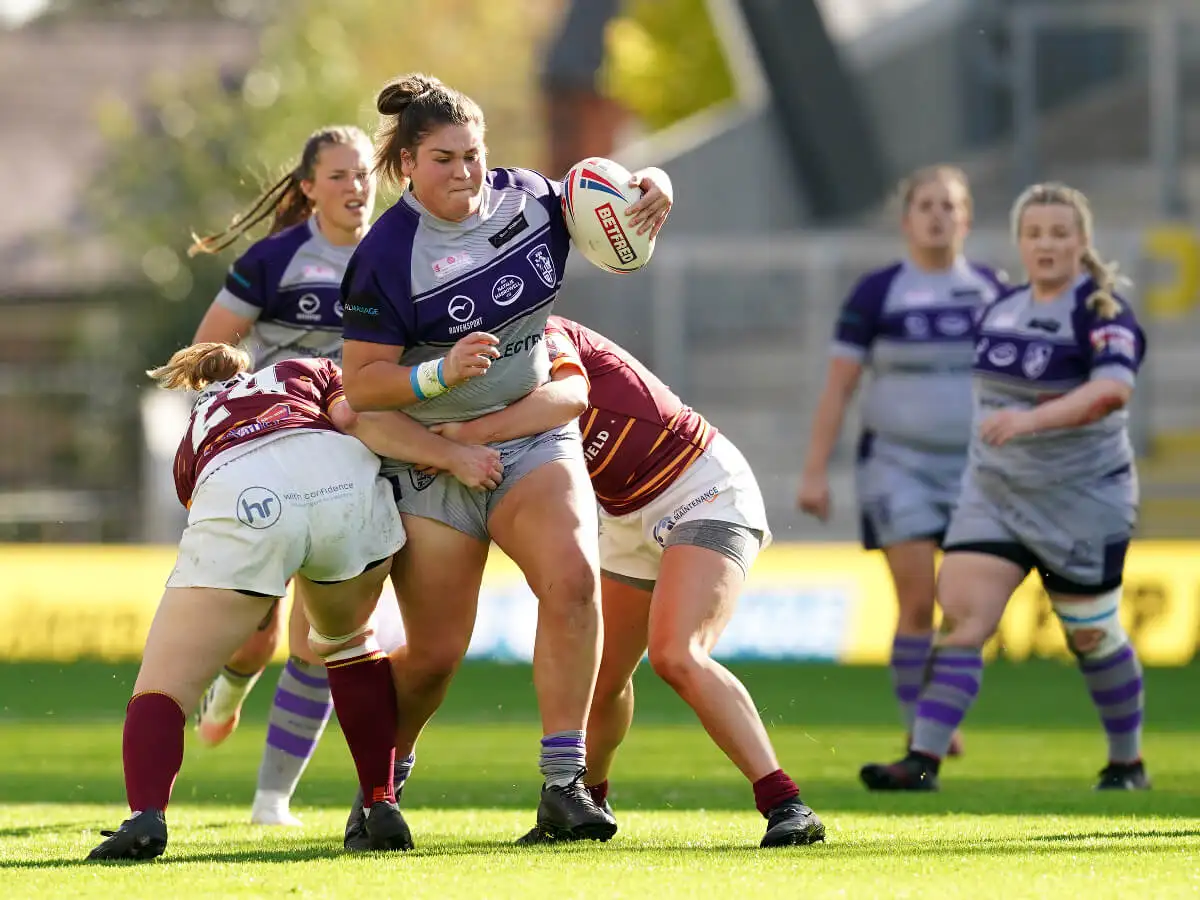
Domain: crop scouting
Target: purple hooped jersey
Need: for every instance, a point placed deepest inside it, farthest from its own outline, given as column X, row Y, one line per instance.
column 422, row 283
column 914, row 331
column 1030, row 352
column 290, row 284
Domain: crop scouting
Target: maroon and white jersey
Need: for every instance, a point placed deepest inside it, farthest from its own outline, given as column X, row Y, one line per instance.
column 295, row 393
column 638, row 436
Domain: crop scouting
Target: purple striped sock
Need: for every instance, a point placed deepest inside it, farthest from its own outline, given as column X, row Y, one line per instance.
column 298, row 716
column 910, row 657
column 563, row 757
column 1115, row 683
column 954, row 677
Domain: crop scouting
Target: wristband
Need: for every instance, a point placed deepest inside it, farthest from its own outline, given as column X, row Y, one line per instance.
column 426, row 379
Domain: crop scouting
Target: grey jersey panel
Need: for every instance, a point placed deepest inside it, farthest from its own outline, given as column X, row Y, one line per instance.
column 913, row 330
column 1029, row 352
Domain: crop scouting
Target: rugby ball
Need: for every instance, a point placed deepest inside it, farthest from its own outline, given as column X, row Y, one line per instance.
column 595, row 195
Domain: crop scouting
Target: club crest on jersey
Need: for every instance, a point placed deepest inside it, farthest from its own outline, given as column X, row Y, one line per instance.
column 1036, row 359
column 507, row 289
column 662, row 529
column 448, row 265
column 259, row 507
column 1002, row 355
column 309, row 307
column 420, row 480
column 543, row 263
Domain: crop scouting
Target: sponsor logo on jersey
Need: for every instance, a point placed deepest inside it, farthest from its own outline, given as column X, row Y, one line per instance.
column 1114, row 340
column 916, row 325
column 319, row 273
column 509, row 231
column 448, row 265
column 259, row 507
column 1002, row 355
column 507, row 289
column 1050, row 326
column 524, row 345
column 1036, row 359
column 543, row 264
column 461, row 307
column 952, row 324
column 615, row 234
column 309, row 308
column 337, row 308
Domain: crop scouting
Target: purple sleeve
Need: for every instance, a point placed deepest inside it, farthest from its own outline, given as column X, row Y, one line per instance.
column 858, row 321
column 1114, row 347
column 377, row 303
column 248, row 280
column 545, row 191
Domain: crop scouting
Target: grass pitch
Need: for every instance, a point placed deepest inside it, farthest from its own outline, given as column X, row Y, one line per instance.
column 1016, row 817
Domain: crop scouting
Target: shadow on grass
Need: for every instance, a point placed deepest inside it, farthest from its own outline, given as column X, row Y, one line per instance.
column 964, row 795
column 1043, row 845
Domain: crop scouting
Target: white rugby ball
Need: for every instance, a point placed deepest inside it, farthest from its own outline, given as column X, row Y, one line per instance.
column 595, row 195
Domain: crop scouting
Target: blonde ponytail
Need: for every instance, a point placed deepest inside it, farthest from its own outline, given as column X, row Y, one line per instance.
column 1103, row 301
column 196, row 367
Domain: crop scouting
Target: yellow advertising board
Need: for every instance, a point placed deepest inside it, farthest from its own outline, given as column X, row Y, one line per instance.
column 803, row 601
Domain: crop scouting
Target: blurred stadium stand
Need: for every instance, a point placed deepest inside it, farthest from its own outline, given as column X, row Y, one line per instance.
column 70, row 458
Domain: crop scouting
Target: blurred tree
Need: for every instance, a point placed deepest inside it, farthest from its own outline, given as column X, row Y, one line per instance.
column 665, row 61
column 198, row 146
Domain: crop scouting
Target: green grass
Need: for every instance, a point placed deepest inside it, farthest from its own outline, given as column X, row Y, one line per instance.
column 1016, row 816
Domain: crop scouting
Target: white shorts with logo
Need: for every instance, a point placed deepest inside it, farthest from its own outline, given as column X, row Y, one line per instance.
column 308, row 502
column 719, row 486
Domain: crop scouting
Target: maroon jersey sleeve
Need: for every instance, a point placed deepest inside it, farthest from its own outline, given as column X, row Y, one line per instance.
column 638, row 436
column 295, row 393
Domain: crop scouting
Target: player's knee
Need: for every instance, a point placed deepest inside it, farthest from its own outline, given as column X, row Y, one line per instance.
column 575, row 585
column 430, row 668
column 675, row 662
column 1093, row 625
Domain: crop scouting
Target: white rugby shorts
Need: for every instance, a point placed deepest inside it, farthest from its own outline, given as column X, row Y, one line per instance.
column 719, row 486
column 309, row 502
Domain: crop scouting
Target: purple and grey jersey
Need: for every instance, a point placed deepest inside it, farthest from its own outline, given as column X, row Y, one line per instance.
column 914, row 330
column 422, row 283
column 1030, row 352
column 290, row 284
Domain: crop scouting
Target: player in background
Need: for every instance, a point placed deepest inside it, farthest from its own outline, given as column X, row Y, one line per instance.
column 275, row 490
column 446, row 301
column 282, row 300
column 1051, row 485
column 910, row 324
column 681, row 521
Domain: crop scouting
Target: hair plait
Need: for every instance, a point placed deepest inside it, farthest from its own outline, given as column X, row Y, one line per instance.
column 285, row 199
